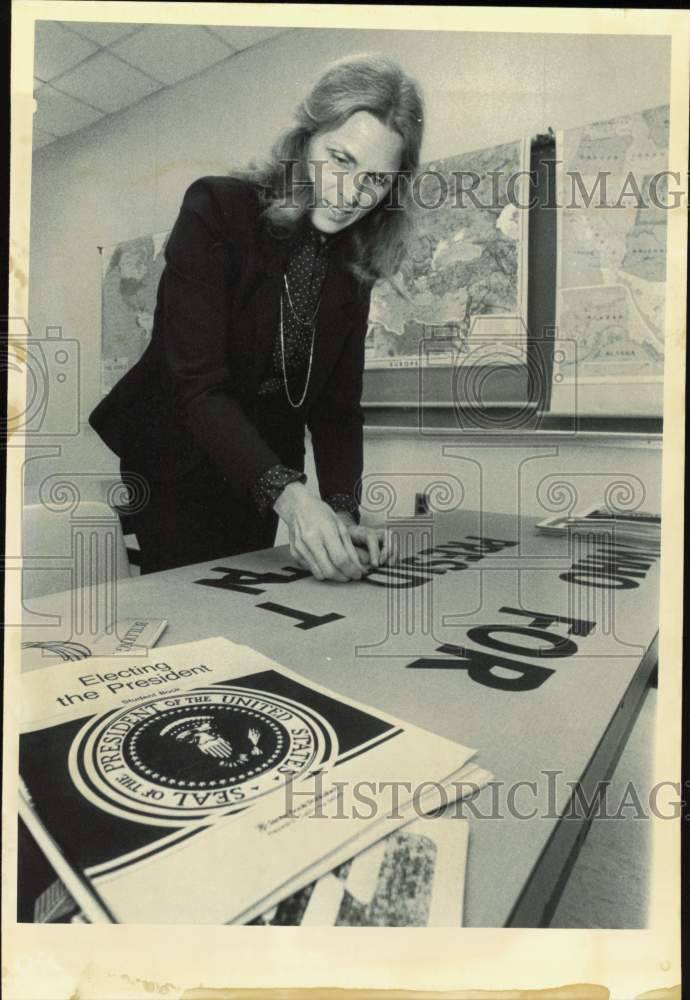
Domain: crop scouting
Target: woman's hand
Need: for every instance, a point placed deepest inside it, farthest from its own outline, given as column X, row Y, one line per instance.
column 319, row 539
column 375, row 546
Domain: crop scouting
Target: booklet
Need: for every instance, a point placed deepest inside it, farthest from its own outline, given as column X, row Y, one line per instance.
column 209, row 783
column 640, row 527
column 128, row 636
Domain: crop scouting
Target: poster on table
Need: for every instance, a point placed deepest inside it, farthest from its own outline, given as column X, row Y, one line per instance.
column 207, row 785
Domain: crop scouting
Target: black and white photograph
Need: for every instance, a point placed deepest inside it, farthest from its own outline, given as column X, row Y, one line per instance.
column 345, row 351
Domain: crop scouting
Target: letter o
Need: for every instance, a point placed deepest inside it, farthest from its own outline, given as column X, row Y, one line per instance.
column 417, row 189
column 419, row 794
column 560, row 646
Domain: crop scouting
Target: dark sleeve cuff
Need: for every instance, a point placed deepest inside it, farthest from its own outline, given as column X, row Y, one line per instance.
column 343, row 502
column 268, row 487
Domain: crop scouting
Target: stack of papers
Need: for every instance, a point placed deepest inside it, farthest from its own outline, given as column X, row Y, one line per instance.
column 638, row 527
column 208, row 784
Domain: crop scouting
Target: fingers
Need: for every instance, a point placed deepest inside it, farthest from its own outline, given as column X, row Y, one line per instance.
column 323, row 563
column 320, row 568
column 388, row 546
column 374, row 545
column 373, row 542
column 334, row 564
column 325, row 546
column 297, row 558
column 342, row 557
column 350, row 550
column 302, row 555
column 336, row 557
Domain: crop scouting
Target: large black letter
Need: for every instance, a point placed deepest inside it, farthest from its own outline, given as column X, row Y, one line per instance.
column 542, row 619
column 241, row 579
column 305, row 619
column 479, row 668
column 560, row 646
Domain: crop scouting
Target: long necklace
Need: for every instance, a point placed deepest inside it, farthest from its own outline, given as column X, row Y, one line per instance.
column 302, row 322
column 306, row 323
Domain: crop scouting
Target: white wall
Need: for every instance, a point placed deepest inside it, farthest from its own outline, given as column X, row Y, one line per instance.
column 533, row 475
column 125, row 175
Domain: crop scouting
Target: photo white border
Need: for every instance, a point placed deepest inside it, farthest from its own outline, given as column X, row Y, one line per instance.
column 95, row 961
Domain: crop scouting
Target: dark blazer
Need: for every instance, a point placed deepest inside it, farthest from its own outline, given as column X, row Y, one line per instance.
column 187, row 399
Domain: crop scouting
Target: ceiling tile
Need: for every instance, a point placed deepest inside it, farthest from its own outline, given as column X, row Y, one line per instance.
column 102, row 32
column 242, row 38
column 107, row 83
column 171, row 52
column 59, row 114
column 58, row 49
column 41, row 138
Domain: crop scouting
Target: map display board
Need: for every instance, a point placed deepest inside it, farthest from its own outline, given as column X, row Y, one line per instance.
column 462, row 286
column 612, row 251
column 131, row 271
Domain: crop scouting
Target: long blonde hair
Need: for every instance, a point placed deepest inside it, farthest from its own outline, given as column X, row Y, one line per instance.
column 370, row 83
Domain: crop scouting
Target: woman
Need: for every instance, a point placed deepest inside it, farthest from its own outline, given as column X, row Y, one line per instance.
column 259, row 331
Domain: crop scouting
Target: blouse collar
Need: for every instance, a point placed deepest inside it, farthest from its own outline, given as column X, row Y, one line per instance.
column 306, row 232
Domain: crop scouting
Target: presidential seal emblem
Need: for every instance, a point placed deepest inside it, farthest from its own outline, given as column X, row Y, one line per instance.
column 196, row 756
